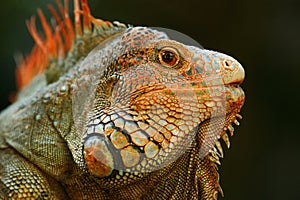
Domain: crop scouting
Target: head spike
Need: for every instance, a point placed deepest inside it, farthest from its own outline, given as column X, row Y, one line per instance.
column 77, row 13
column 32, row 30
column 86, row 16
column 62, row 28
column 67, row 20
column 60, row 45
column 46, row 27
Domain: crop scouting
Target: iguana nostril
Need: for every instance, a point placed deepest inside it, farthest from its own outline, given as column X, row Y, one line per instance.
column 228, row 65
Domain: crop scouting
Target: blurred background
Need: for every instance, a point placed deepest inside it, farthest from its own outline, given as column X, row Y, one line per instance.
column 264, row 35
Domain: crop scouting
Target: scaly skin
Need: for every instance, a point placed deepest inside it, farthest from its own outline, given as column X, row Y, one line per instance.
column 129, row 115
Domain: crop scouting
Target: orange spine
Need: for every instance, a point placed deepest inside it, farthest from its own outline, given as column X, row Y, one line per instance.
column 56, row 41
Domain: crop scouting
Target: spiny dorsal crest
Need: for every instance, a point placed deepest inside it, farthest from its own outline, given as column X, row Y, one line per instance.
column 63, row 43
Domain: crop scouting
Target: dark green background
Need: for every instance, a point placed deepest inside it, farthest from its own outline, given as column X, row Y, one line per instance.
column 264, row 160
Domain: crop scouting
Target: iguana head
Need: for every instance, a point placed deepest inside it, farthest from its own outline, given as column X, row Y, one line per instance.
column 154, row 98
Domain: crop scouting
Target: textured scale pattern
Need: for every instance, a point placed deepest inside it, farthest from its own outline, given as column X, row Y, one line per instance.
column 108, row 111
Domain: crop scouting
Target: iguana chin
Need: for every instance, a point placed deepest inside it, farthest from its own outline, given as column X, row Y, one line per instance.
column 116, row 112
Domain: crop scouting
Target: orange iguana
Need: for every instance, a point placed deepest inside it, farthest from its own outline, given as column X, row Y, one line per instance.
column 116, row 112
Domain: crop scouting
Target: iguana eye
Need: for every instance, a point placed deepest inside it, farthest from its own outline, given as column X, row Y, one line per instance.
column 168, row 56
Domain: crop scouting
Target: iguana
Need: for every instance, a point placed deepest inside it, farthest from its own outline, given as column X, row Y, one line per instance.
column 116, row 112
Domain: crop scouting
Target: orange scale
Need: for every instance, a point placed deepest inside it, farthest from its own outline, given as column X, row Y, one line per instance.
column 164, row 144
column 139, row 138
column 158, row 137
column 151, row 149
column 119, row 140
column 130, row 156
column 167, row 135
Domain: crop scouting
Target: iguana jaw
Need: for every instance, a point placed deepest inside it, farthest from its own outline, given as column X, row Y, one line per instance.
column 216, row 152
column 230, row 117
column 210, row 149
column 232, row 80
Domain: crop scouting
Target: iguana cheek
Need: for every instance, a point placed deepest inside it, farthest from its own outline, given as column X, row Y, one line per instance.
column 97, row 157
